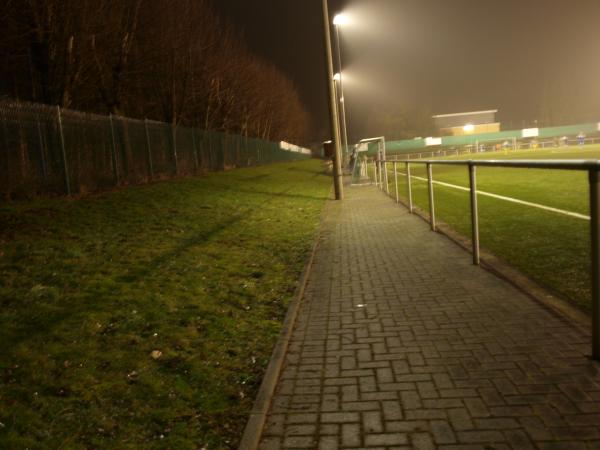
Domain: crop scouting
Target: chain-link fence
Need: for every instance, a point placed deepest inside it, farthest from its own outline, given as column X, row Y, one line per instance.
column 46, row 149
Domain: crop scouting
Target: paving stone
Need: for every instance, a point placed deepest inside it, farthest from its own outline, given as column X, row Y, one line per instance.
column 518, row 439
column 361, row 406
column 372, row 422
column 270, row 443
column 299, row 442
column 490, row 437
column 422, row 441
column 392, row 410
column 340, row 417
column 401, row 342
column 385, row 439
column 329, row 443
column 302, row 418
column 351, row 435
column 300, row 430
column 442, row 432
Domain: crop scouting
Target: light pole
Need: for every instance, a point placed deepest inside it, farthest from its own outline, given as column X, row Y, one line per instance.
column 333, row 110
column 338, row 21
column 342, row 116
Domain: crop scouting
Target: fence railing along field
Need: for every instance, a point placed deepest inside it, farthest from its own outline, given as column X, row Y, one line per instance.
column 379, row 175
column 49, row 150
column 483, row 147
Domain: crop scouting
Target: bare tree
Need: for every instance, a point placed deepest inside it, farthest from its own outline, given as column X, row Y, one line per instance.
column 171, row 60
column 53, row 34
column 111, row 45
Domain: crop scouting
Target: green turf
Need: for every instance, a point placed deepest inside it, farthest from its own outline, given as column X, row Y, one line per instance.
column 550, row 247
column 199, row 269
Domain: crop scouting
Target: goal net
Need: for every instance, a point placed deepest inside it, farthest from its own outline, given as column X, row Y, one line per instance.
column 496, row 145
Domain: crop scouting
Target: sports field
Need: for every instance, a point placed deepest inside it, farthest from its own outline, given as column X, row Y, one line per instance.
column 541, row 227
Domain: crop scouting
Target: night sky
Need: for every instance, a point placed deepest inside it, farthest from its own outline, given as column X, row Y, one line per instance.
column 531, row 59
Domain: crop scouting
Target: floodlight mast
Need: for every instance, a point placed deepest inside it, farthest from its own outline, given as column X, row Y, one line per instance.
column 338, row 21
column 333, row 108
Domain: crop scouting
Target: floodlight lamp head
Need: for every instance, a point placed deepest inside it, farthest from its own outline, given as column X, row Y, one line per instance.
column 340, row 20
column 469, row 128
column 337, row 77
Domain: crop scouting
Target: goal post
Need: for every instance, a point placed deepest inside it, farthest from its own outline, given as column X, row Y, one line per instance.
column 496, row 145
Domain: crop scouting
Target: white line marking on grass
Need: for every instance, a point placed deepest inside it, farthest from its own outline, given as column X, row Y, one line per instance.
column 508, row 199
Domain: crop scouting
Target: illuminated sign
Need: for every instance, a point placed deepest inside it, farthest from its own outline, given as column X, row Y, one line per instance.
column 530, row 132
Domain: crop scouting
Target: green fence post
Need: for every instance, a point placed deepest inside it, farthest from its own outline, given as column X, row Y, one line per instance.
column 174, row 147
column 64, row 152
column 114, row 149
column 150, row 163
column 195, row 151
column 42, row 149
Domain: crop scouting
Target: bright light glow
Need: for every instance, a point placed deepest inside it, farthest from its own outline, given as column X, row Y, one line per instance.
column 337, row 77
column 340, row 20
column 469, row 128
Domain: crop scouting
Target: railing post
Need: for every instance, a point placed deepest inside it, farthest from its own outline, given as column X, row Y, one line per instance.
column 150, row 163
column 409, row 188
column 64, row 152
column 375, row 171
column 594, row 177
column 396, row 181
column 114, row 149
column 431, row 200
column 474, row 212
column 385, row 177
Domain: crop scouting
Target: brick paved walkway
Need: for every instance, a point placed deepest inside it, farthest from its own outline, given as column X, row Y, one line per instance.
column 402, row 343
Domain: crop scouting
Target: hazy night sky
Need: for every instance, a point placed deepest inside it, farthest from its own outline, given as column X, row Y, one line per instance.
column 524, row 57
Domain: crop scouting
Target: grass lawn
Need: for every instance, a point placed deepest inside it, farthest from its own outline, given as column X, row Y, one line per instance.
column 145, row 318
column 550, row 247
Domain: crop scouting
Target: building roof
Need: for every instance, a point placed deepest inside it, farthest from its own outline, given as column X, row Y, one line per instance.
column 472, row 113
column 464, row 118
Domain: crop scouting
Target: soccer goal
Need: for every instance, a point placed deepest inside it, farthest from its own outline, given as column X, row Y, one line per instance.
column 496, row 145
column 380, row 174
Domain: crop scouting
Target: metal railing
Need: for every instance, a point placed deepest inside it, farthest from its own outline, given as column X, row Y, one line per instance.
column 484, row 148
column 590, row 166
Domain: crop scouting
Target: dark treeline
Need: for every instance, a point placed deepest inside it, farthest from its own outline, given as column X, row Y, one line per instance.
column 170, row 60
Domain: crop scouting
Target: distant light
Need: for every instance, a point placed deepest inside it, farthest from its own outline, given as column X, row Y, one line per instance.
column 469, row 128
column 341, row 20
column 337, row 76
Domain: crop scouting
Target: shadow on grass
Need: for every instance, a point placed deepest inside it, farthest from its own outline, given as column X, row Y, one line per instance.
column 52, row 314
column 62, row 310
column 316, row 174
column 283, row 194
